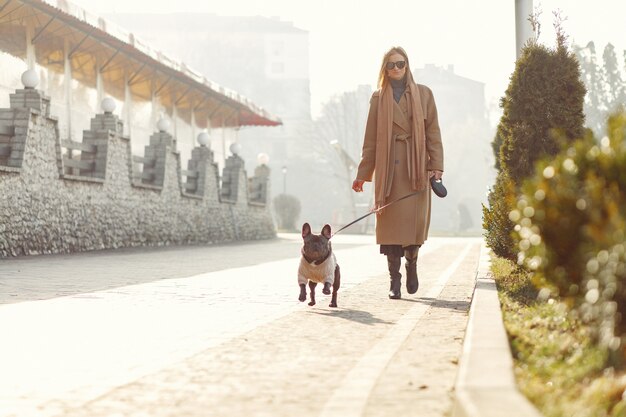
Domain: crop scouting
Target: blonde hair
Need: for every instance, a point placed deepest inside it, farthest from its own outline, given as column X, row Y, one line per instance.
column 383, row 79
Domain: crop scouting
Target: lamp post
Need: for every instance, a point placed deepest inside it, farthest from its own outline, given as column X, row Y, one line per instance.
column 349, row 164
column 523, row 27
column 263, row 158
column 284, row 179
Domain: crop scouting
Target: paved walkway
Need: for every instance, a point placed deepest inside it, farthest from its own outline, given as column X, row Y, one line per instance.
column 218, row 331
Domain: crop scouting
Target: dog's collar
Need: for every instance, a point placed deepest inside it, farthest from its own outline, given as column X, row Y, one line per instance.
column 316, row 261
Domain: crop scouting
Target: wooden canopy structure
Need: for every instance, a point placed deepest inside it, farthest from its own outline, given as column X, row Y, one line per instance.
column 57, row 32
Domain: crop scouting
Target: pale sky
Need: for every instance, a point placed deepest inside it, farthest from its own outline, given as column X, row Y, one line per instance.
column 348, row 37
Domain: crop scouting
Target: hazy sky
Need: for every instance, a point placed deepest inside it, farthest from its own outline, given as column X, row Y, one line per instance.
column 348, row 37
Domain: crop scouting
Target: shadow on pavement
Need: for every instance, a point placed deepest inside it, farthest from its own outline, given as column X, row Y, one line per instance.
column 459, row 305
column 364, row 317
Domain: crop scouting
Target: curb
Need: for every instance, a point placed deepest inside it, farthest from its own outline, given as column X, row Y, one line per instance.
column 485, row 385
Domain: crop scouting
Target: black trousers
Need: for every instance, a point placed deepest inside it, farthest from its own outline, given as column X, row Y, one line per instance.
column 395, row 250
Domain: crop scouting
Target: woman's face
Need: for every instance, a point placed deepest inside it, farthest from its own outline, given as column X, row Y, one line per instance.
column 396, row 60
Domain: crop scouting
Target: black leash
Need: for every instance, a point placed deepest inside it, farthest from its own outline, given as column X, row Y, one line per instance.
column 374, row 211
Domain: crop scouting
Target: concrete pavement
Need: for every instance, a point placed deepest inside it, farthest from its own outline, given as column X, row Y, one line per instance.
column 486, row 386
column 218, row 331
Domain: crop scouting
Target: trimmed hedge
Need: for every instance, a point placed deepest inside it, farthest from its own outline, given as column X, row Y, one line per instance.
column 287, row 208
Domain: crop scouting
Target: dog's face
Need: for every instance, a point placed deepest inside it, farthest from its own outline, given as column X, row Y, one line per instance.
column 316, row 246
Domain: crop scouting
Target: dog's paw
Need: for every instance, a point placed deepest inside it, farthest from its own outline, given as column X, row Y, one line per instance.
column 311, row 303
column 332, row 305
column 302, row 297
column 326, row 289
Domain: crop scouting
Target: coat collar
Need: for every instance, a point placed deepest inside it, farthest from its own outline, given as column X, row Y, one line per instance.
column 400, row 114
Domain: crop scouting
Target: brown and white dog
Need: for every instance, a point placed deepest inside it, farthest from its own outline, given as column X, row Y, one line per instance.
column 318, row 265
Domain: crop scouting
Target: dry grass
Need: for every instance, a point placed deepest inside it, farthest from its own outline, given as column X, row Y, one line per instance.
column 557, row 365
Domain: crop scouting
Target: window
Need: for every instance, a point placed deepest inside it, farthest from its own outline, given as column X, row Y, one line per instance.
column 278, row 67
column 277, row 48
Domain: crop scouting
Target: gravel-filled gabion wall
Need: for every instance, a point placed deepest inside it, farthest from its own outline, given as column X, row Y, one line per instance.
column 60, row 196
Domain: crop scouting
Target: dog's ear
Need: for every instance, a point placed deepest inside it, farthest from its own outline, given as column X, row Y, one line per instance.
column 326, row 231
column 306, row 230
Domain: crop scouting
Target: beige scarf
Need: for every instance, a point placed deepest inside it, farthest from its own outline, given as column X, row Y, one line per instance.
column 417, row 158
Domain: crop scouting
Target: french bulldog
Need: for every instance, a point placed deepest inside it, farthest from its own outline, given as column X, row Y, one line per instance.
column 318, row 265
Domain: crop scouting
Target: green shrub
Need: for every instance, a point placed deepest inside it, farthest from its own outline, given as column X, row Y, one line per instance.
column 496, row 144
column 496, row 222
column 545, row 96
column 570, row 227
column 545, row 93
column 287, row 209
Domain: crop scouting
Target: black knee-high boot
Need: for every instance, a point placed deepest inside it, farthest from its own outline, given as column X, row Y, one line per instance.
column 412, row 283
column 395, row 278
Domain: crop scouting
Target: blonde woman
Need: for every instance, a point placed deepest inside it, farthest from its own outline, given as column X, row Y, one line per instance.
column 402, row 150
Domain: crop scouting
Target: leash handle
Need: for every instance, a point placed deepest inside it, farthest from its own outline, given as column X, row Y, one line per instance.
column 374, row 211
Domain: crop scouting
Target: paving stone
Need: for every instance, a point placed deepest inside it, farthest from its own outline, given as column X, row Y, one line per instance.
column 194, row 332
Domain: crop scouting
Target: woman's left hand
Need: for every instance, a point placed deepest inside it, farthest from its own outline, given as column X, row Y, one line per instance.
column 435, row 173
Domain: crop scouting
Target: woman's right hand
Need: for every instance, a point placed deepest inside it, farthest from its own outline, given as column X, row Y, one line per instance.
column 357, row 185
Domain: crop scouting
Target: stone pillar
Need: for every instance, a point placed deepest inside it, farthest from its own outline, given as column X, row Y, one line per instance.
column 102, row 126
column 67, row 83
column 30, row 98
column 259, row 184
column 7, row 132
column 155, row 154
column 201, row 161
column 14, row 123
column 233, row 168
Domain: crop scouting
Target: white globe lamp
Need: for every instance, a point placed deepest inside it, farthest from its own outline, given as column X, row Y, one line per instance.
column 108, row 105
column 163, row 124
column 263, row 158
column 203, row 138
column 235, row 148
column 30, row 79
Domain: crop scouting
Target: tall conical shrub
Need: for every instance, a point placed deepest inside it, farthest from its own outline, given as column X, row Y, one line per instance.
column 545, row 94
column 544, row 97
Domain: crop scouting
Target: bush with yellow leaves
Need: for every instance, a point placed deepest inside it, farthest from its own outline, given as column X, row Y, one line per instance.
column 570, row 224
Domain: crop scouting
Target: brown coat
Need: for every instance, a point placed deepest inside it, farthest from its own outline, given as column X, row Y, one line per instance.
column 405, row 222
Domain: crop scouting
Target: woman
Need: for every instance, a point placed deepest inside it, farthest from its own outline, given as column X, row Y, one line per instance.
column 402, row 146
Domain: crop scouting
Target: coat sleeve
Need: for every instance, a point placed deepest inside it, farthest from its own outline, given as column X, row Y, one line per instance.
column 365, row 171
column 434, row 146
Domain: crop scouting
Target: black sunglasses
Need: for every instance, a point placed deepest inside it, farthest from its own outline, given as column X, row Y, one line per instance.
column 391, row 65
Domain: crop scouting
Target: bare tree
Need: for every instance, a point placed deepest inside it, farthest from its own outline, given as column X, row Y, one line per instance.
column 343, row 120
column 605, row 86
column 342, row 125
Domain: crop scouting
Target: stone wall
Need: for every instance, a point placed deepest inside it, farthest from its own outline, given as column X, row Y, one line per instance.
column 61, row 196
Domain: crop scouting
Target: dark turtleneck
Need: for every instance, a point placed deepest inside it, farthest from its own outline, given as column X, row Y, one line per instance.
column 398, row 87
